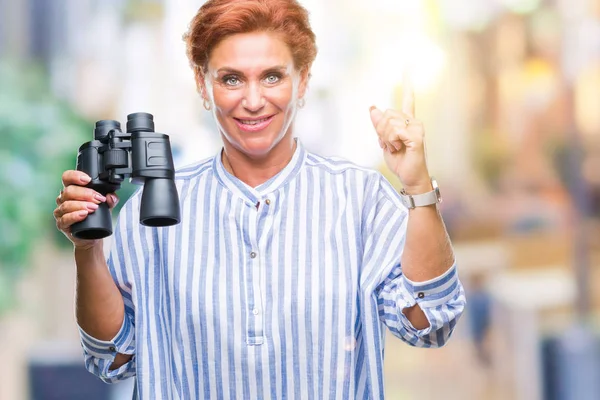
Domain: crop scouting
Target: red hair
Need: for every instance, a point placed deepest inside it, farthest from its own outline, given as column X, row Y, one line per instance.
column 218, row 19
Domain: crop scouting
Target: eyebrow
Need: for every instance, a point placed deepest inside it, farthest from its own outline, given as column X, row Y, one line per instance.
column 230, row 70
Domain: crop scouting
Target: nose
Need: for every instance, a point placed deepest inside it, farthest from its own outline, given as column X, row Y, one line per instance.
column 253, row 99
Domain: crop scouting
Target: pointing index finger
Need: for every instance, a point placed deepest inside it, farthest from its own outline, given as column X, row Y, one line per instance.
column 408, row 94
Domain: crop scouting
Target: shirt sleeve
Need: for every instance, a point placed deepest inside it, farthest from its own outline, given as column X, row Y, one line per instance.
column 442, row 299
column 98, row 354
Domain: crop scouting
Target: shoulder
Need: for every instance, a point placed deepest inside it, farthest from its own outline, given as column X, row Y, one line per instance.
column 338, row 166
column 195, row 170
column 372, row 182
column 371, row 178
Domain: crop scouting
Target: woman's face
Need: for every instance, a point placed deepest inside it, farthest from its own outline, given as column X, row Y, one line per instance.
column 254, row 88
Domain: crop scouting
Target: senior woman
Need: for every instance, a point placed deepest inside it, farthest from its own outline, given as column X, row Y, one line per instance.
column 287, row 266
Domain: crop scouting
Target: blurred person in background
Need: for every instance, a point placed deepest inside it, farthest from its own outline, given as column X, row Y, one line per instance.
column 480, row 315
column 287, row 266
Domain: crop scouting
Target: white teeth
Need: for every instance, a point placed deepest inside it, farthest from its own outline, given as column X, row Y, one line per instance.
column 245, row 122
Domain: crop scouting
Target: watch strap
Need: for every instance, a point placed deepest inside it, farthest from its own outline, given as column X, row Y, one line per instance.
column 421, row 200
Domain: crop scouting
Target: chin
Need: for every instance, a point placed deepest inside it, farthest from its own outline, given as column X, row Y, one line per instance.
column 253, row 144
column 255, row 148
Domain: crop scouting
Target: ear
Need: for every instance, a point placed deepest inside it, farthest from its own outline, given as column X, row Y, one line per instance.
column 303, row 86
column 200, row 84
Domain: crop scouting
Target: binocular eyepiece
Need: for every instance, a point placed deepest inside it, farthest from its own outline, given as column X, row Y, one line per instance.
column 139, row 153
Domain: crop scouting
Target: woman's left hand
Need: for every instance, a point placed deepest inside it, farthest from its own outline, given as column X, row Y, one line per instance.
column 402, row 138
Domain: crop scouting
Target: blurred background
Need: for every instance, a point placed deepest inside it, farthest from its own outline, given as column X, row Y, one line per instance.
column 509, row 92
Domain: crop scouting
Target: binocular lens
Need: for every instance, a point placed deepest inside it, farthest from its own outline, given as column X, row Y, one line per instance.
column 96, row 225
column 160, row 203
column 140, row 122
column 103, row 127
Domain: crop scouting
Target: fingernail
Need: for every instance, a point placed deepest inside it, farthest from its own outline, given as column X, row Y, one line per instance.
column 99, row 197
column 92, row 206
column 85, row 178
column 83, row 213
column 372, row 108
column 114, row 199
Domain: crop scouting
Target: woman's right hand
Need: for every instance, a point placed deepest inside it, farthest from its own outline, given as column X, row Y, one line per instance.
column 75, row 202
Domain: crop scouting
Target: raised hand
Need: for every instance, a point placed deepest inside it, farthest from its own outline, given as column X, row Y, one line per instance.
column 402, row 138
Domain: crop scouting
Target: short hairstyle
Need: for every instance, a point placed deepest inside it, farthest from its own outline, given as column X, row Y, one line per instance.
column 218, row 19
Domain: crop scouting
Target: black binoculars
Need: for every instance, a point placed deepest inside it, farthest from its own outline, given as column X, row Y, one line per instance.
column 139, row 153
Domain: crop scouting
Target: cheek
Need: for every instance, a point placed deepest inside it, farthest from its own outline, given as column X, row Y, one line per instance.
column 282, row 98
column 227, row 101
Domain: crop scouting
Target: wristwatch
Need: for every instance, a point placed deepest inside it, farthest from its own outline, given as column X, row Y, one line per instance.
column 424, row 199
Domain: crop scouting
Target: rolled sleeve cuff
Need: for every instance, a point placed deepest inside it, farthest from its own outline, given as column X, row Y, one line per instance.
column 429, row 295
column 123, row 342
column 432, row 293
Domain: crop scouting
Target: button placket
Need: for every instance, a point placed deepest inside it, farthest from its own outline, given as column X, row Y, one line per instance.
column 254, row 318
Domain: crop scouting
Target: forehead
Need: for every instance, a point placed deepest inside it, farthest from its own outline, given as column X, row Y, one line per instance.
column 250, row 52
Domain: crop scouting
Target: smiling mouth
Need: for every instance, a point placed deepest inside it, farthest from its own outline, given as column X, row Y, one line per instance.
column 252, row 121
column 253, row 125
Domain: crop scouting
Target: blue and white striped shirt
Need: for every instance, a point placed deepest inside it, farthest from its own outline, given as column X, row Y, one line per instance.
column 282, row 291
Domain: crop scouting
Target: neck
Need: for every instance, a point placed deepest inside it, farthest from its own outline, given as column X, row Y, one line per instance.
column 255, row 171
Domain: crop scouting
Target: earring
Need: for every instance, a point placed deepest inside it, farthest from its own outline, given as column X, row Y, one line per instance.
column 206, row 104
column 301, row 102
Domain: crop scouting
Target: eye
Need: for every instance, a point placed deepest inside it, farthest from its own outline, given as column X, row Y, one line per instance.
column 231, row 80
column 272, row 78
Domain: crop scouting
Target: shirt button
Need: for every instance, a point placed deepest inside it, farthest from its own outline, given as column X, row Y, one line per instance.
column 255, row 311
column 421, row 295
column 112, row 349
column 268, row 201
column 253, row 255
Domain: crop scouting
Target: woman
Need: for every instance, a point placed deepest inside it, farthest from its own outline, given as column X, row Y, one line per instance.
column 287, row 266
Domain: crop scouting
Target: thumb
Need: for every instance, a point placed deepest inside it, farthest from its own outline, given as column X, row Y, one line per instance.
column 376, row 115
column 112, row 200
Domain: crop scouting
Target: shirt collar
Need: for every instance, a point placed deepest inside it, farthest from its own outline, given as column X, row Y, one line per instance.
column 254, row 195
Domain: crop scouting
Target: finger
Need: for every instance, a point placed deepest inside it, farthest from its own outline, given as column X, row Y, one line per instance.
column 385, row 126
column 393, row 141
column 397, row 144
column 80, row 193
column 74, row 206
column 59, row 199
column 69, row 219
column 72, row 177
column 382, row 122
column 112, row 200
column 408, row 95
column 392, row 127
column 376, row 115
column 406, row 134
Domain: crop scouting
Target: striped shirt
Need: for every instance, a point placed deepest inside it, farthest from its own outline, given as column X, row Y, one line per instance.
column 282, row 291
